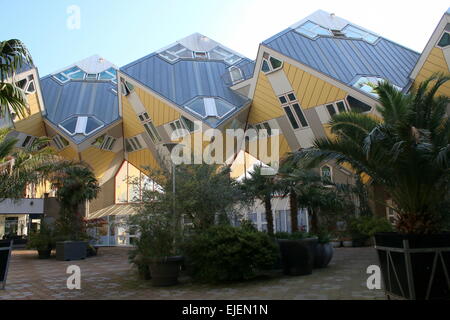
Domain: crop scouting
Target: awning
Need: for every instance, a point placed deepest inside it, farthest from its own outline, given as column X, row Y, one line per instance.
column 115, row 210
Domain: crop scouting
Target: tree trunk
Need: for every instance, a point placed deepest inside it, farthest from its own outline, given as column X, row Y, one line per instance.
column 294, row 211
column 269, row 215
column 314, row 221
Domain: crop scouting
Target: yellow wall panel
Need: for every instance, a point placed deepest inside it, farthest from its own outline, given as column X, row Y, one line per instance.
column 98, row 159
column 435, row 63
column 311, row 91
column 32, row 125
column 143, row 158
column 265, row 105
column 160, row 112
column 283, row 147
column 69, row 153
column 131, row 124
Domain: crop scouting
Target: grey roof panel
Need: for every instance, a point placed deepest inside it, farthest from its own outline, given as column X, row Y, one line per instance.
column 73, row 98
column 184, row 80
column 345, row 59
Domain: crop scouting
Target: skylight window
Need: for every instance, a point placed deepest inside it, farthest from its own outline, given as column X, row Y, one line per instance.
column 366, row 84
column 76, row 73
column 353, row 32
column 210, row 107
column 178, row 51
column 81, row 125
column 312, row 30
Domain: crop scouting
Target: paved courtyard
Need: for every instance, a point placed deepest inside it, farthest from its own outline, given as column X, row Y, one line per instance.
column 110, row 276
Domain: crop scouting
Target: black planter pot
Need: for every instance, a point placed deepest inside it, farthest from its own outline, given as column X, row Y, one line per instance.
column 71, row 250
column 323, row 255
column 361, row 242
column 144, row 272
column 297, row 256
column 415, row 267
column 44, row 254
column 164, row 272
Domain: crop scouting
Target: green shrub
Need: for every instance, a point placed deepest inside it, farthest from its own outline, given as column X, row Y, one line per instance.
column 293, row 236
column 366, row 226
column 226, row 253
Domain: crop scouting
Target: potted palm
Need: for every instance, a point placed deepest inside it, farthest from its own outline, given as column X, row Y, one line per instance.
column 74, row 185
column 406, row 151
column 43, row 241
column 158, row 234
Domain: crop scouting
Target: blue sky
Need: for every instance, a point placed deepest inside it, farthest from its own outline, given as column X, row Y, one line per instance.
column 125, row 30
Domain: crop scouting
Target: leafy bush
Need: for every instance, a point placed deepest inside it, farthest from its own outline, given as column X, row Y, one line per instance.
column 226, row 253
column 366, row 226
column 293, row 236
column 43, row 239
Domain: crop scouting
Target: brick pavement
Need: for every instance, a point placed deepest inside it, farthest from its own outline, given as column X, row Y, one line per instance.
column 110, row 276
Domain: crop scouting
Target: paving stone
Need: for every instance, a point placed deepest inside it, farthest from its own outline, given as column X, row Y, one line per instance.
column 110, row 276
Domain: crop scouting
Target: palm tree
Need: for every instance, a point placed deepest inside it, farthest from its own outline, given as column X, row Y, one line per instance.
column 20, row 167
column 290, row 177
column 262, row 187
column 407, row 151
column 74, row 185
column 13, row 56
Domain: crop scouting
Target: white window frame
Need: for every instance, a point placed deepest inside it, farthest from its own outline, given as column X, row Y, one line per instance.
column 60, row 145
column 204, row 53
column 290, row 104
column 269, row 63
column 149, row 126
column 107, row 143
column 231, row 70
column 180, row 129
column 440, row 38
column 336, row 109
column 80, row 127
column 29, row 143
column 227, row 57
column 133, row 143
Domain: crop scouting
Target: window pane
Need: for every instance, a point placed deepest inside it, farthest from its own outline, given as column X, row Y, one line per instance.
column 265, row 66
column 70, row 125
column 198, row 106
column 291, row 97
column 21, row 84
column 300, row 115
column 77, row 75
column 445, row 40
column 282, row 100
column 357, row 106
column 341, row 106
column 92, row 125
column 189, row 124
column 138, row 143
column 331, row 110
column 291, row 117
column 275, row 63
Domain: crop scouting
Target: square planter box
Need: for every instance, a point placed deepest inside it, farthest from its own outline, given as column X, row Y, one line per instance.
column 71, row 250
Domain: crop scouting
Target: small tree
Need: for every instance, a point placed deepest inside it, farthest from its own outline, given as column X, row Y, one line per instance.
column 262, row 187
column 74, row 185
